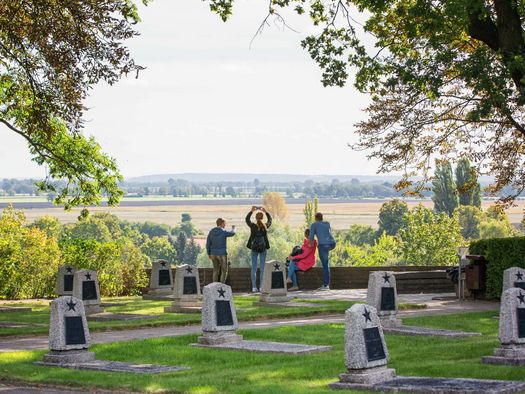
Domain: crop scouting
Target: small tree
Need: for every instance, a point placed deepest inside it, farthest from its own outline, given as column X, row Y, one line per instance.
column 180, row 246
column 48, row 224
column 469, row 189
column 275, row 204
column 191, row 252
column 392, row 216
column 470, row 217
column 360, row 234
column 309, row 210
column 429, row 238
column 159, row 248
column 444, row 190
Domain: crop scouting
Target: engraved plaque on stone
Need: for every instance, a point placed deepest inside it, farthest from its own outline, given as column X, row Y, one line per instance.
column 164, row 278
column 68, row 282
column 374, row 346
column 519, row 285
column 189, row 285
column 89, row 291
column 74, row 330
column 277, row 280
column 521, row 322
column 223, row 313
column 388, row 300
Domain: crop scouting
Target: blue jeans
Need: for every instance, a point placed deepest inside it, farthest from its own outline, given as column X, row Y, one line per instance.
column 262, row 260
column 291, row 273
column 323, row 256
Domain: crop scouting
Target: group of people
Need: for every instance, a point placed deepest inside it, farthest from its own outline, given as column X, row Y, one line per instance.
column 318, row 237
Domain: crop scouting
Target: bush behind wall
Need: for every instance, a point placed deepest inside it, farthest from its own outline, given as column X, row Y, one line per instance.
column 500, row 253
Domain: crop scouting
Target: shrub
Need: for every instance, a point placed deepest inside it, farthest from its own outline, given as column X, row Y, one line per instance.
column 119, row 264
column 430, row 239
column 28, row 258
column 500, row 253
column 361, row 234
column 159, row 248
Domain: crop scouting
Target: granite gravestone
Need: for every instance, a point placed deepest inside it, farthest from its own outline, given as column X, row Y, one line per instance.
column 511, row 329
column 366, row 354
column 86, row 288
column 69, row 342
column 273, row 288
column 186, row 291
column 64, row 285
column 382, row 295
column 69, row 336
column 219, row 320
column 513, row 277
column 161, row 281
column 219, row 323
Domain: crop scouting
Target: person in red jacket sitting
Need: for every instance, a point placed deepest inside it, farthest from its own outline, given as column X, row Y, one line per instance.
column 301, row 262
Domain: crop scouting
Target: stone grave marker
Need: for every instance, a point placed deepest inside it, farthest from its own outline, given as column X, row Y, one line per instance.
column 219, row 320
column 513, row 277
column 511, row 329
column 65, row 275
column 161, row 281
column 186, row 291
column 219, row 325
column 69, row 341
column 366, row 357
column 69, row 336
column 382, row 295
column 366, row 354
column 86, row 288
column 273, row 289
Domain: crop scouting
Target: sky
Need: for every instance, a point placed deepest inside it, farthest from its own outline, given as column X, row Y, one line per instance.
column 208, row 103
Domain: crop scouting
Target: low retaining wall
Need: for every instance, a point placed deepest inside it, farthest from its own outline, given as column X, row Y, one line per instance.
column 409, row 279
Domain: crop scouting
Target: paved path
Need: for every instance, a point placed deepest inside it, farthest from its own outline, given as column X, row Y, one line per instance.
column 446, row 305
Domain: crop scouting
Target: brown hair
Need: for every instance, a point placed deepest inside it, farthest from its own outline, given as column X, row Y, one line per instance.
column 319, row 216
column 219, row 221
column 307, row 232
column 259, row 216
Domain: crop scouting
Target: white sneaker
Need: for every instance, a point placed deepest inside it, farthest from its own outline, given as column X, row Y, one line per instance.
column 323, row 288
column 254, row 290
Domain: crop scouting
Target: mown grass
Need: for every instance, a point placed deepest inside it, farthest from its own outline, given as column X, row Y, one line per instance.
column 244, row 306
column 221, row 371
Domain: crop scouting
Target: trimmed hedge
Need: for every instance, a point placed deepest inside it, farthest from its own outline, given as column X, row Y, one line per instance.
column 500, row 253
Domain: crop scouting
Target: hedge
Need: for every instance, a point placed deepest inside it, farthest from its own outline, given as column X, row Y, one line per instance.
column 500, row 253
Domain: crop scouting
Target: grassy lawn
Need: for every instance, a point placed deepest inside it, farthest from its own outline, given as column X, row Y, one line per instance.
column 220, row 371
column 245, row 311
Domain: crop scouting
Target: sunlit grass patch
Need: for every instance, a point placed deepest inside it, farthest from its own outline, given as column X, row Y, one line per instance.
column 228, row 371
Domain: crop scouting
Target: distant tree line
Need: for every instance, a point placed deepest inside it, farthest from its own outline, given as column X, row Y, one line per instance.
column 458, row 190
column 256, row 189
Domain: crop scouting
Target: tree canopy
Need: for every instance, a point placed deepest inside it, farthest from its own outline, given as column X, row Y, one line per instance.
column 51, row 54
column 446, row 79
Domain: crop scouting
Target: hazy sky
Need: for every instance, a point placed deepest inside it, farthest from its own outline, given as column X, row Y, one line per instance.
column 209, row 103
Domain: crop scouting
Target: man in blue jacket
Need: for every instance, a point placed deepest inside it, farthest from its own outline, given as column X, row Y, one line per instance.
column 216, row 248
column 325, row 243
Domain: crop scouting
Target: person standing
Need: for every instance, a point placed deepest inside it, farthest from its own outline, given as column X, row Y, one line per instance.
column 217, row 252
column 325, row 243
column 302, row 261
column 258, row 242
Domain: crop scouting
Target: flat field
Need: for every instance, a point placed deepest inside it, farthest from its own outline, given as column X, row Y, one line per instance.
column 204, row 212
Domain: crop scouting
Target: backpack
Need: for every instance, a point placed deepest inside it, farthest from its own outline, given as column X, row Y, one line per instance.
column 297, row 250
column 258, row 243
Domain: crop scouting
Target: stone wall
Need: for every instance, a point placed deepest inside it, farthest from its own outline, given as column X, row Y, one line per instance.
column 410, row 279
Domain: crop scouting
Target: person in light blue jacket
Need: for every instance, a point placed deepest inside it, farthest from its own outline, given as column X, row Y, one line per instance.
column 325, row 243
